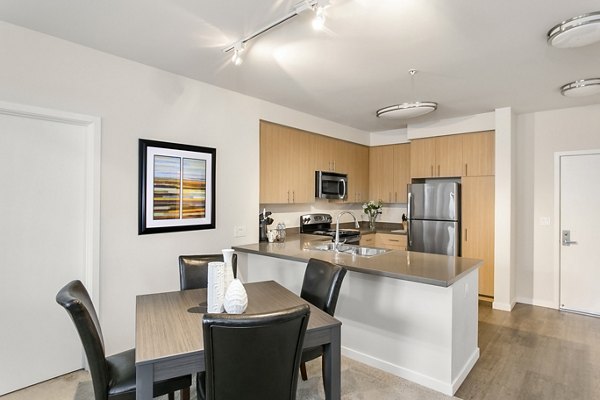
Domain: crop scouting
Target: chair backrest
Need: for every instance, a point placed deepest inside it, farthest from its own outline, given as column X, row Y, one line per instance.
column 322, row 283
column 193, row 270
column 76, row 300
column 254, row 357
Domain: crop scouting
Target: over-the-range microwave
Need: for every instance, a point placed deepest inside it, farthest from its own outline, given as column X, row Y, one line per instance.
column 331, row 185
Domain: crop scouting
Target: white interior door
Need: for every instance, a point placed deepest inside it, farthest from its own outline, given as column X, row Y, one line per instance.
column 580, row 224
column 43, row 246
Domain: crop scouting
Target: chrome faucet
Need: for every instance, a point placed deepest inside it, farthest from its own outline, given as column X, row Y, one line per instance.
column 337, row 228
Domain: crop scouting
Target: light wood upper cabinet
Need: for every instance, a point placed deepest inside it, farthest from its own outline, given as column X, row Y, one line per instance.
column 358, row 172
column 285, row 176
column 401, row 172
column 436, row 157
column 422, row 158
column 478, row 153
column 478, row 227
column 389, row 172
column 289, row 158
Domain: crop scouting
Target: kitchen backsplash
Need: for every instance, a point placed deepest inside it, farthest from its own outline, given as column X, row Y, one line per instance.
column 290, row 214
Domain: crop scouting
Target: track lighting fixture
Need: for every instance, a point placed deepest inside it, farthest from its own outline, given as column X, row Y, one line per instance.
column 318, row 6
column 238, row 49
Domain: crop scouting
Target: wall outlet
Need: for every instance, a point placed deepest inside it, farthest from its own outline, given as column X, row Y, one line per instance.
column 239, row 231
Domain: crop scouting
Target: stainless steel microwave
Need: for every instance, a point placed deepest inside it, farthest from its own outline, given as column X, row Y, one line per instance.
column 331, row 185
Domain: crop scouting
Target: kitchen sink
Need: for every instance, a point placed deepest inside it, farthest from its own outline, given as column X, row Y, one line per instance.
column 349, row 249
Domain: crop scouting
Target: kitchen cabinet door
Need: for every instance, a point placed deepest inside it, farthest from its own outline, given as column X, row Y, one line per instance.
column 324, row 148
column 478, row 227
column 478, row 153
column 401, row 172
column 358, row 173
column 448, row 156
column 422, row 158
column 273, row 185
column 367, row 240
column 299, row 166
column 381, row 173
column 285, row 165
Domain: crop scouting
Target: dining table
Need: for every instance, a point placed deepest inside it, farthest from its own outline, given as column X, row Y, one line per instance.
column 169, row 339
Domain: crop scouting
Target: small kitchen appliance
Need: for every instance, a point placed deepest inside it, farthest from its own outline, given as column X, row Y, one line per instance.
column 320, row 224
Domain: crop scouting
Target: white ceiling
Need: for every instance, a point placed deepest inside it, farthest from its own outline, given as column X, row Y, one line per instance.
column 473, row 56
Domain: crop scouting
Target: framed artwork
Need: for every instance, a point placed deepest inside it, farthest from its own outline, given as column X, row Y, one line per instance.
column 176, row 188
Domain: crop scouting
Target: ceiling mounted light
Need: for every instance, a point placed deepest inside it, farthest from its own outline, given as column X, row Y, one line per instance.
column 576, row 32
column 318, row 22
column 317, row 5
column 584, row 87
column 409, row 109
column 238, row 49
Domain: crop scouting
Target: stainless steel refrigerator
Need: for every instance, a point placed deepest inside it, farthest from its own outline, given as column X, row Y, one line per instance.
column 434, row 217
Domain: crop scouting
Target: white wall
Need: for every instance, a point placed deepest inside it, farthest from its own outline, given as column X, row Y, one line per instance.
column 539, row 136
column 136, row 101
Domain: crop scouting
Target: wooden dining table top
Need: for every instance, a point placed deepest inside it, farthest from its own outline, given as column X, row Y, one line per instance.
column 170, row 324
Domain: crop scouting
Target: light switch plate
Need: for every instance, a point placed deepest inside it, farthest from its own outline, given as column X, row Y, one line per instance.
column 239, row 231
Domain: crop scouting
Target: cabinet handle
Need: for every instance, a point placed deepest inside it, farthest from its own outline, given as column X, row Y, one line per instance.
column 288, row 196
column 394, row 240
column 334, row 165
column 293, row 196
column 466, row 169
column 466, row 235
column 396, row 197
column 431, row 170
column 390, row 196
column 438, row 170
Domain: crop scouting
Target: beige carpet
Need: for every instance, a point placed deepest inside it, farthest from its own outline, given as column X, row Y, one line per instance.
column 358, row 382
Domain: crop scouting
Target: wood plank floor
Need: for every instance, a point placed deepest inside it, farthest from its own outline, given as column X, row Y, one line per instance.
column 535, row 353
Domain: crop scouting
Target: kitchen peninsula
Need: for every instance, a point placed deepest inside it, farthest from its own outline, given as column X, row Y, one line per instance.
column 411, row 314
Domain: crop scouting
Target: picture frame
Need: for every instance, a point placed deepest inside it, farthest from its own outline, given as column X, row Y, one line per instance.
column 176, row 187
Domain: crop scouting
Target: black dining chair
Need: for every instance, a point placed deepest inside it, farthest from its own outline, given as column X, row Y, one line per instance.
column 193, row 270
column 252, row 356
column 321, row 288
column 113, row 377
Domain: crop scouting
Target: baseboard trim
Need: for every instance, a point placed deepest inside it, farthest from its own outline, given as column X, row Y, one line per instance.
column 447, row 388
column 533, row 302
column 465, row 371
column 496, row 305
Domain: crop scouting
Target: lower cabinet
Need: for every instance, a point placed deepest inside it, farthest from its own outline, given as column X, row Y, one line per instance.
column 384, row 240
column 478, row 227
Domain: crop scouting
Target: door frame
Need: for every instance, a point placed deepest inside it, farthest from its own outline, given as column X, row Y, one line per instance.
column 92, row 126
column 557, row 235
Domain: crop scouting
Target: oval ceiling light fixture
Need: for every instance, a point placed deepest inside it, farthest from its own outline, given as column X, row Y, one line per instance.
column 576, row 32
column 409, row 109
column 583, row 87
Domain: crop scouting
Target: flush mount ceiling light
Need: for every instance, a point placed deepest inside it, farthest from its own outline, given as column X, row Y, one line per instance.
column 576, row 32
column 318, row 6
column 584, row 87
column 407, row 110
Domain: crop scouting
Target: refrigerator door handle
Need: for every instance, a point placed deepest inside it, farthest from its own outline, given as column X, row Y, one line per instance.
column 409, row 206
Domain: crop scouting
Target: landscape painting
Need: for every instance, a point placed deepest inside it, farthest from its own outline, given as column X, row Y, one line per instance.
column 176, row 187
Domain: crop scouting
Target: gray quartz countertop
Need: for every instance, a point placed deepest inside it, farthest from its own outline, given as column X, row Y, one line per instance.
column 432, row 269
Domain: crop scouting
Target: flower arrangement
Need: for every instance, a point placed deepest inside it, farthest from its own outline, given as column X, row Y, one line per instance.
column 372, row 209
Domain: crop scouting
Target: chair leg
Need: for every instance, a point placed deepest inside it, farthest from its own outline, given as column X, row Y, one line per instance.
column 324, row 371
column 303, row 371
column 171, row 396
column 185, row 394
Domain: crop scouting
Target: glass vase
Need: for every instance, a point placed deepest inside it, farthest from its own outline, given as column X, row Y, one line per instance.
column 372, row 219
